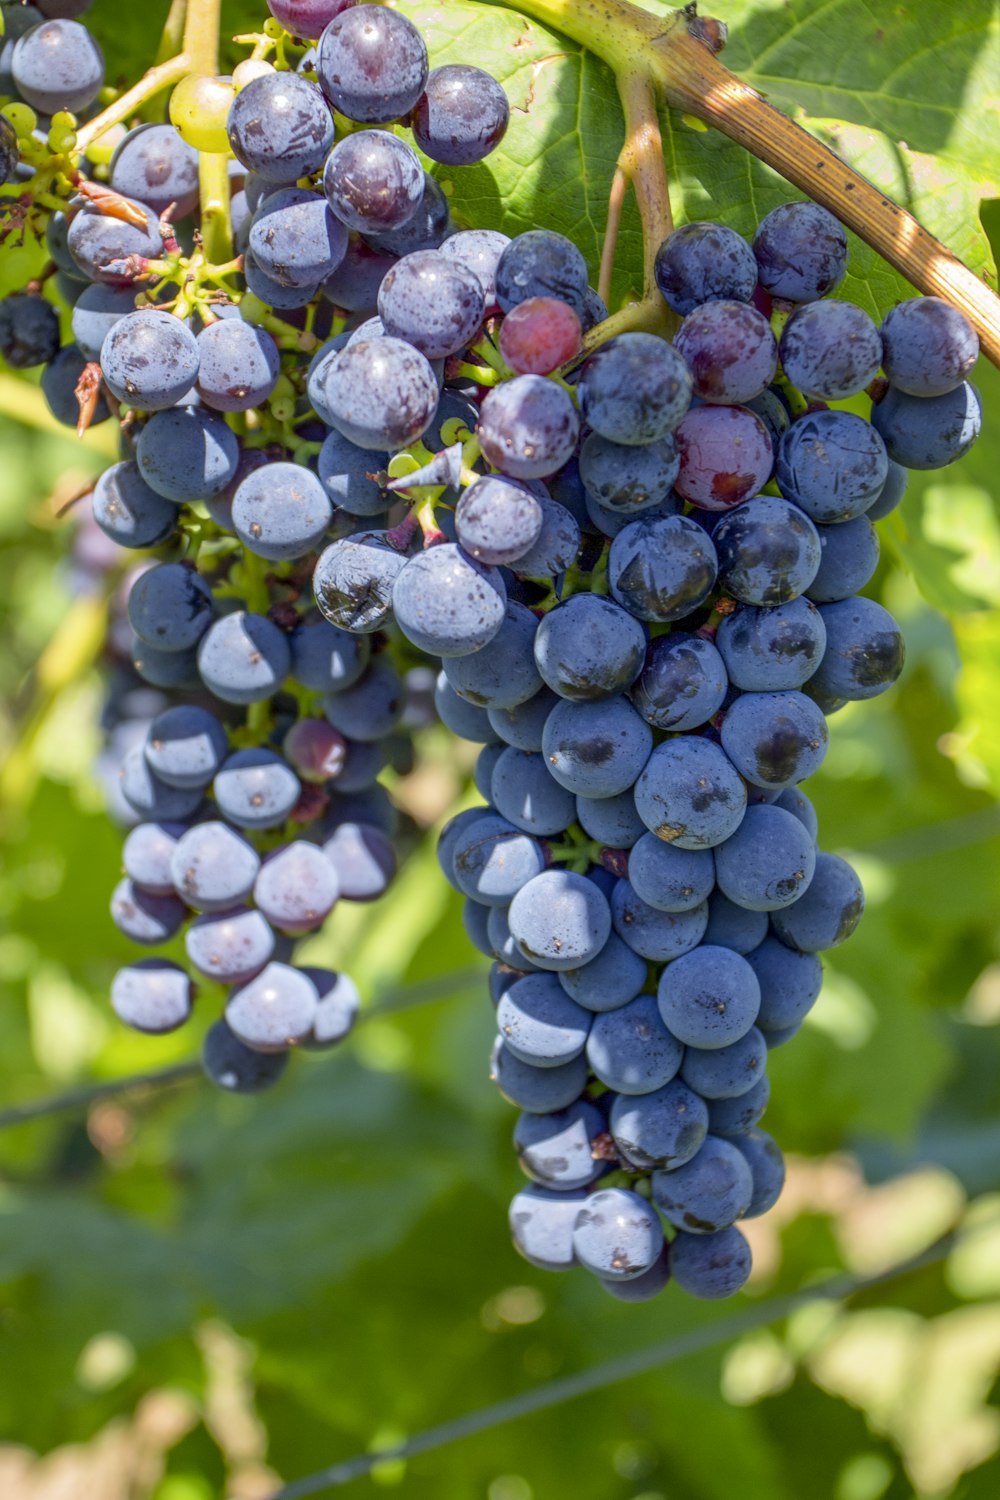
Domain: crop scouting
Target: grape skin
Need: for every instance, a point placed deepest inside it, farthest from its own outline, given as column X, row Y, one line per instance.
column 373, row 181
column 801, row 252
column 730, row 351
column 461, row 116
column 528, row 427
column 635, row 389
column 830, row 350
column 372, row 64
column 702, row 262
column 280, row 127
column 930, row 347
column 928, row 432
column 433, row 302
column 726, row 456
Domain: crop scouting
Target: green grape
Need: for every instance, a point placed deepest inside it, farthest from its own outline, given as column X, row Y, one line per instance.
column 23, row 119
column 249, row 69
column 199, row 108
column 103, row 149
column 62, row 131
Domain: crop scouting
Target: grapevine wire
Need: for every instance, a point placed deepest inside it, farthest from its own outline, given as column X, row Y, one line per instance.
column 404, row 998
column 948, row 834
column 585, row 1382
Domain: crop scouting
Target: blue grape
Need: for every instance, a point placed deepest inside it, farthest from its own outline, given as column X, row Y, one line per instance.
column 165, row 669
column 295, row 239
column 617, row 1235
column 711, row 1266
column 372, row 64
column 337, row 1010
column 491, row 859
column 683, row 683
column 57, row 65
column 801, row 252
column 768, row 862
column 703, row 262
column 501, row 944
column 152, row 995
column 146, row 856
column 463, row 718
column 610, row 522
column 525, row 794
column 625, row 478
column 9, row 153
column 709, row 997
column 891, row 493
column 670, row 878
column 524, row 725
column 170, row 607
column 690, row 794
column 433, row 302
column 771, row 407
column 213, row 867
column 654, row 934
column 502, row 673
column 96, row 311
column 427, row 229
column 29, row 330
column 612, row 821
column 662, row 1129
column 830, row 350
column 767, row 1166
column 373, row 181
column 497, row 520
column 541, row 263
column 829, row 911
column 641, row 1288
column 930, row 347
column 486, row 759
column 557, row 1150
column 726, row 1072
column 371, row 707
column 255, row 788
column 239, row 365
column 528, row 427
column 144, row 917
column 557, row 544
column 237, row 1068
column 589, row 648
column 541, row 1226
column 325, row 658
column 480, row 250
column 730, row 351
column 929, row 432
column 274, row 294
column 794, row 800
column 737, row 1116
column 451, row 836
column 708, row 1193
column 59, row 382
column 864, row 650
column 154, row 164
column 832, row 464
column 363, row 859
column 274, row 1010
column 354, row 285
column 280, row 127
column 662, row 569
column 349, row 475
column 461, row 116
column 775, row 739
column 631, row 1051
column 185, row 746
column 243, row 658
column 635, row 389
column 768, row 550
column 850, row 554
column 611, row 979
column 354, row 579
column 790, row 983
column 296, row 887
column 732, row 926
column 187, row 454
column 381, row 394
column 596, row 749
column 766, row 650
column 104, row 248
column 559, row 920
column 128, row 511
column 230, row 946
column 539, row 1091
column 448, row 604
column 281, row 512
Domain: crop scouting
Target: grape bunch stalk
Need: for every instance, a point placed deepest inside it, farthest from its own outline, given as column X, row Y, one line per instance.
column 377, row 444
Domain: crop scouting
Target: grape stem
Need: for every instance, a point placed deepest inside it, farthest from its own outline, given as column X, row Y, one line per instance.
column 152, row 82
column 672, row 62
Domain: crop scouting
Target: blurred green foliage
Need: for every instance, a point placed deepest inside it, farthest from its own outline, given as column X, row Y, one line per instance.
column 199, row 1294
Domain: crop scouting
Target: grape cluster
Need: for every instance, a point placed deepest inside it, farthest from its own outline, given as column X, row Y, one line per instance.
column 635, row 563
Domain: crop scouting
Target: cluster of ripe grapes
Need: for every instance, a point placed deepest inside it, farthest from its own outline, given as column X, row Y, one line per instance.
column 637, row 563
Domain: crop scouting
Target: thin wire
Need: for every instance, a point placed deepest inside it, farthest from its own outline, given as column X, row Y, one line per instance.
column 406, row 997
column 613, row 1371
